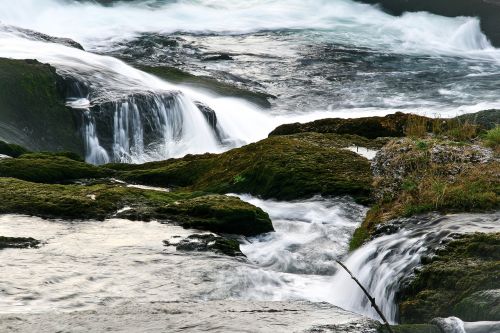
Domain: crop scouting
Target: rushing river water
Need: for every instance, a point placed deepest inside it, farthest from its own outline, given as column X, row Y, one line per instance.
column 319, row 58
column 88, row 264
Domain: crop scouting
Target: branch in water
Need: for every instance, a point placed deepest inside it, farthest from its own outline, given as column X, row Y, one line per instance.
column 372, row 299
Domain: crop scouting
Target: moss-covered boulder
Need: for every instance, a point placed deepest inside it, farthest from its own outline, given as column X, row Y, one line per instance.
column 280, row 167
column 399, row 124
column 193, row 210
column 370, row 127
column 462, row 280
column 415, row 176
column 50, row 168
column 32, row 108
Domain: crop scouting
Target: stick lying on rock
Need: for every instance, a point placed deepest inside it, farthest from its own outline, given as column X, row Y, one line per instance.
column 372, row 299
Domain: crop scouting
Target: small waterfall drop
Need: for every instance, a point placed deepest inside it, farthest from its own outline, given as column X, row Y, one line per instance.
column 385, row 263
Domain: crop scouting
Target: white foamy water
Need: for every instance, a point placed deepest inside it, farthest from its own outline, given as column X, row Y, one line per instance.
column 347, row 21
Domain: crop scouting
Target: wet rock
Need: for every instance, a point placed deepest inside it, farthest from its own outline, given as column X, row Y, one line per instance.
column 460, row 280
column 217, row 57
column 35, row 35
column 33, row 111
column 11, row 150
column 369, row 127
column 211, row 118
column 207, row 243
column 18, row 242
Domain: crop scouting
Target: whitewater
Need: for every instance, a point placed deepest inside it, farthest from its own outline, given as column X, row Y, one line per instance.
column 269, row 39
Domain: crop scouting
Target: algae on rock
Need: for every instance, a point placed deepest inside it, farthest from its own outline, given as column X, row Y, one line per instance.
column 460, row 280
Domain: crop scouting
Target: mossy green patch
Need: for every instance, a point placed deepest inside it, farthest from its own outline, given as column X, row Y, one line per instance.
column 420, row 176
column 284, row 167
column 50, row 168
column 453, row 283
column 32, row 108
column 208, row 212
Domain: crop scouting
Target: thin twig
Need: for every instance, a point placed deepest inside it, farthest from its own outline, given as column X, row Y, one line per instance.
column 372, row 299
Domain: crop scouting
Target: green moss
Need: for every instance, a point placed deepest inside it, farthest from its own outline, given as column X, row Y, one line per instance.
column 443, row 184
column 285, row 168
column 213, row 212
column 32, row 108
column 175, row 75
column 453, row 283
column 50, row 168
column 220, row 214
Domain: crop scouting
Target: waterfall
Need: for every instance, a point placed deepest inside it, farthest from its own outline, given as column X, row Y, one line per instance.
column 387, row 262
column 95, row 154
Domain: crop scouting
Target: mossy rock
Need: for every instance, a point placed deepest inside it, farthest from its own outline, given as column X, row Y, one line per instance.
column 192, row 210
column 370, row 127
column 32, row 108
column 455, row 283
column 178, row 76
column 50, row 168
column 219, row 213
column 417, row 176
column 280, row 167
column 399, row 125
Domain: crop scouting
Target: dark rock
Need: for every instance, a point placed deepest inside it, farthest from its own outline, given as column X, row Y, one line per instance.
column 394, row 125
column 370, row 127
column 217, row 57
column 18, row 242
column 33, row 113
column 208, row 243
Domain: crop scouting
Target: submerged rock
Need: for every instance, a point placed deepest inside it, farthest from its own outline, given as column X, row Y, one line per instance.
column 18, row 242
column 206, row 243
column 38, row 36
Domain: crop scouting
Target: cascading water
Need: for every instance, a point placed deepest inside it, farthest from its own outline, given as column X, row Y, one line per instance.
column 384, row 264
column 424, row 46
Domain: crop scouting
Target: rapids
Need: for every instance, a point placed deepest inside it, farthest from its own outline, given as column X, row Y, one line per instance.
column 320, row 58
